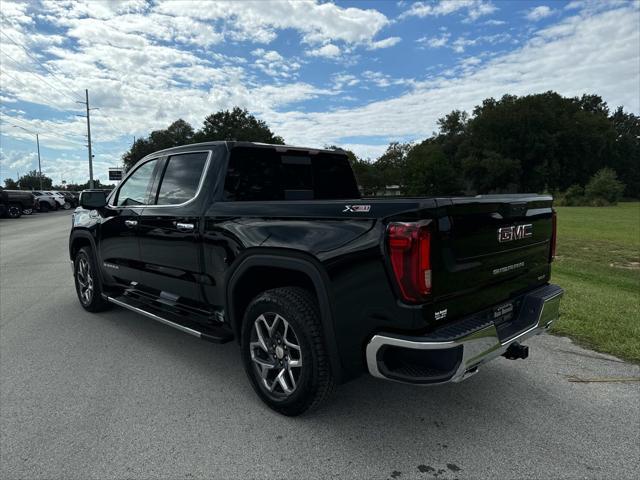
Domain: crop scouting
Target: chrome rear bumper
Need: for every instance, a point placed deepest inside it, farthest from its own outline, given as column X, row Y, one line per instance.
column 463, row 353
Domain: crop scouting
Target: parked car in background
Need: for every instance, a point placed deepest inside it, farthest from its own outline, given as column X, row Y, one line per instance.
column 70, row 199
column 18, row 202
column 59, row 198
column 45, row 202
column 4, row 202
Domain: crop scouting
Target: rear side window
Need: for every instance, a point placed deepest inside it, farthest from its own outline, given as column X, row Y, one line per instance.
column 259, row 174
column 181, row 178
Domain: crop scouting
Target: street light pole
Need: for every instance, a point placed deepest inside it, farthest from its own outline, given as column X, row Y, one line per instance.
column 39, row 163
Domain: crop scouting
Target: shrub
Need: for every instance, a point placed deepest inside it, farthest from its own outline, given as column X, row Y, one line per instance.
column 574, row 196
column 604, row 185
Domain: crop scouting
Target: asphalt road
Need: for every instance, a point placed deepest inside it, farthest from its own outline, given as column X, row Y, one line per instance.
column 115, row 395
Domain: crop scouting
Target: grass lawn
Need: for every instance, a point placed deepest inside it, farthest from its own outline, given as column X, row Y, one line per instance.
column 598, row 265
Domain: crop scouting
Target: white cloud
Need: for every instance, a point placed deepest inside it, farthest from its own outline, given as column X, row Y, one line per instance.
column 435, row 42
column 327, row 51
column 461, row 43
column 539, row 12
column 13, row 160
column 473, row 8
column 576, row 56
column 383, row 80
column 366, row 151
column 386, row 43
column 259, row 20
column 274, row 64
column 344, row 79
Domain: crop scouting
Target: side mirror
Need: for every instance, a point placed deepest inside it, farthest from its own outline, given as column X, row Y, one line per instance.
column 93, row 199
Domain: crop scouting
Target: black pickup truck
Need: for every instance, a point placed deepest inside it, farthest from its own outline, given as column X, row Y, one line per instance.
column 272, row 245
column 17, row 202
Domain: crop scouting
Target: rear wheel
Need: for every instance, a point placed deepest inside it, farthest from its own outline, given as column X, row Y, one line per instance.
column 283, row 351
column 88, row 285
column 14, row 211
column 66, row 205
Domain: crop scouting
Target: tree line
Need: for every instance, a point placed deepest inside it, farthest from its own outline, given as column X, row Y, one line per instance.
column 534, row 143
column 235, row 124
column 31, row 181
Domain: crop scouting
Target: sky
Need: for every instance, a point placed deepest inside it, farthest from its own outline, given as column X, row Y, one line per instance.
column 351, row 73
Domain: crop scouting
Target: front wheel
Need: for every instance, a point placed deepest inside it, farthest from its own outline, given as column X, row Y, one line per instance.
column 283, row 351
column 44, row 206
column 88, row 285
column 66, row 205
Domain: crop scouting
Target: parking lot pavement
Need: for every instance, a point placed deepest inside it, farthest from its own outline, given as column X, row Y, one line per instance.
column 115, row 395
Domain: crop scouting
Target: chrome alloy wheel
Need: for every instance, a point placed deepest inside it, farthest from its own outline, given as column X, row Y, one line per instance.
column 85, row 281
column 276, row 354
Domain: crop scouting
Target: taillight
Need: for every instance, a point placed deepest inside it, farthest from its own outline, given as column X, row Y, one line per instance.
column 410, row 251
column 554, row 235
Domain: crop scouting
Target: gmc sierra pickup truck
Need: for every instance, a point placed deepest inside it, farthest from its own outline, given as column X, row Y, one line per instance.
column 273, row 246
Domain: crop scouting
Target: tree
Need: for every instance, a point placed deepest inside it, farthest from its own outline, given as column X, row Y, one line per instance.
column 556, row 141
column 453, row 123
column 77, row 187
column 32, row 181
column 237, row 124
column 429, row 172
column 391, row 164
column 627, row 150
column 489, row 172
column 574, row 196
column 604, row 185
column 368, row 177
column 10, row 184
column 593, row 104
column 178, row 133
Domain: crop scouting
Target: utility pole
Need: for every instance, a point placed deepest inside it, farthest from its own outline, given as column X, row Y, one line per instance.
column 86, row 92
column 39, row 163
column 86, row 103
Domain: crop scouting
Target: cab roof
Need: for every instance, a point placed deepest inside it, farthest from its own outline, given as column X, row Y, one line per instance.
column 231, row 144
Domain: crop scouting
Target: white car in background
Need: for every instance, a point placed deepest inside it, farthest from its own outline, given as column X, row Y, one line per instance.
column 59, row 198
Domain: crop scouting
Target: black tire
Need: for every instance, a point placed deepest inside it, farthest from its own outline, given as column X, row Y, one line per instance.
column 298, row 309
column 14, row 211
column 87, row 280
column 66, row 205
column 44, row 206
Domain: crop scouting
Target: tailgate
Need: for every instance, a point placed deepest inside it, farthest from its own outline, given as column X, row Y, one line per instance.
column 498, row 246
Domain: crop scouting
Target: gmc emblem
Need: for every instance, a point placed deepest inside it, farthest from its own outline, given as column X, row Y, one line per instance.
column 514, row 232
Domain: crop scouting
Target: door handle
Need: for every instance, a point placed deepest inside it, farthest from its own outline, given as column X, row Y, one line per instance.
column 131, row 223
column 185, row 227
